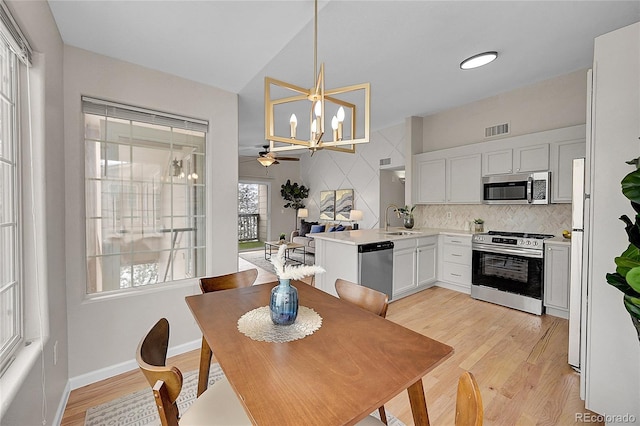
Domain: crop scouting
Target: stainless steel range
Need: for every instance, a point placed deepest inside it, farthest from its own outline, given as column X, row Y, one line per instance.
column 508, row 269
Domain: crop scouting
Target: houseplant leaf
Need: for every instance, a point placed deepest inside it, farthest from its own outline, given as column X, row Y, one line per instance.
column 631, row 186
column 633, row 279
column 619, row 282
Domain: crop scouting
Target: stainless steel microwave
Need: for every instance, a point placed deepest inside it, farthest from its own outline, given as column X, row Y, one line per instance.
column 525, row 188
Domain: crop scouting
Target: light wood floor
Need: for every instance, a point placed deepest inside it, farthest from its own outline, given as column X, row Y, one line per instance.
column 518, row 359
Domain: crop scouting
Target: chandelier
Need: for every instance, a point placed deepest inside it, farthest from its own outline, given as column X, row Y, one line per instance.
column 285, row 102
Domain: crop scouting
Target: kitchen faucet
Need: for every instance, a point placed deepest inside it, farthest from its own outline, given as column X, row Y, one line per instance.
column 386, row 215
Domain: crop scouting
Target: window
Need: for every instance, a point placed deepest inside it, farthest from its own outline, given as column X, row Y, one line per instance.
column 145, row 196
column 15, row 55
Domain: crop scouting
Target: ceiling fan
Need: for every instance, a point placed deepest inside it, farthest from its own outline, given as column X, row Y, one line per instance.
column 267, row 158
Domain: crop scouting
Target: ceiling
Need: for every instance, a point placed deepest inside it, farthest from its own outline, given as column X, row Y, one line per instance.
column 409, row 51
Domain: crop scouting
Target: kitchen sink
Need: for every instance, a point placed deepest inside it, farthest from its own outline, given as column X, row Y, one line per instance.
column 400, row 233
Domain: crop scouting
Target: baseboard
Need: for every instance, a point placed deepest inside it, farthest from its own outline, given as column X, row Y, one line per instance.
column 560, row 313
column 62, row 405
column 454, row 286
column 123, row 367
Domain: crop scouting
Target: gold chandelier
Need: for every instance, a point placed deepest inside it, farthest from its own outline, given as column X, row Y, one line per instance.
column 338, row 103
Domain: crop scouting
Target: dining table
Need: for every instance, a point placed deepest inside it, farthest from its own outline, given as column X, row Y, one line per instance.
column 338, row 374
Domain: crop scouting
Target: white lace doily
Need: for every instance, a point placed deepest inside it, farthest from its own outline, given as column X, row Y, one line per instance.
column 257, row 325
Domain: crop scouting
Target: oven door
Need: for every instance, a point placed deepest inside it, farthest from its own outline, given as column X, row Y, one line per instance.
column 513, row 270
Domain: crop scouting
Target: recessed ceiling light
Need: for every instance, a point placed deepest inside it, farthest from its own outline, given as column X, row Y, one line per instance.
column 478, row 60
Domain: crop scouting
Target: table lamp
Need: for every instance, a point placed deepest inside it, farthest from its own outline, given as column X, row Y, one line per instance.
column 354, row 216
column 303, row 213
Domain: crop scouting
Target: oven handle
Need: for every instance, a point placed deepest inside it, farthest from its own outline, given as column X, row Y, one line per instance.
column 538, row 254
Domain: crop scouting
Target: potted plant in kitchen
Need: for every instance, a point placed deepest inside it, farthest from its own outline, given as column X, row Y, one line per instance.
column 478, row 225
column 282, row 238
column 627, row 275
column 407, row 216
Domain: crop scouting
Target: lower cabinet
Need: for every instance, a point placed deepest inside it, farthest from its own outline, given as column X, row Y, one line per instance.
column 414, row 265
column 557, row 258
column 455, row 268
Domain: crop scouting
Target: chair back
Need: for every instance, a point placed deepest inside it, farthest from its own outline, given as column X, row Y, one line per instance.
column 151, row 356
column 469, row 410
column 367, row 298
column 229, row 281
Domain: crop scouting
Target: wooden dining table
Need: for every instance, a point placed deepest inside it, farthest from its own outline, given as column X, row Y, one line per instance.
column 354, row 363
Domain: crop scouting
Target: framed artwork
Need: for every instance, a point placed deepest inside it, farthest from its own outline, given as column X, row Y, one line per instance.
column 344, row 203
column 327, row 205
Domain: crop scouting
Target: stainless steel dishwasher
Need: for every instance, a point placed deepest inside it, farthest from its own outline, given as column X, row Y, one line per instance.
column 375, row 266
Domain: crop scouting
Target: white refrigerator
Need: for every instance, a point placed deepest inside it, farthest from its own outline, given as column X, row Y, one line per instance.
column 579, row 263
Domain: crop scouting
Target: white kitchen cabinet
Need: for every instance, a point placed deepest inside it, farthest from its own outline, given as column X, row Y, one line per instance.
column 557, row 259
column 404, row 266
column 447, row 179
column 455, row 268
column 533, row 158
column 561, row 159
column 426, row 257
column 463, row 179
column 430, row 180
column 497, row 162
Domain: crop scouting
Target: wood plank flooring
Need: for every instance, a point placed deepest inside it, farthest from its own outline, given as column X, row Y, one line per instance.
column 518, row 359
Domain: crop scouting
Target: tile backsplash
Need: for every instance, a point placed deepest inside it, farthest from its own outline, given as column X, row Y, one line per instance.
column 547, row 219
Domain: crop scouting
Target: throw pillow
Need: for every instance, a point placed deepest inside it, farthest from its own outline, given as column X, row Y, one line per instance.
column 332, row 229
column 340, row 228
column 316, row 229
column 305, row 227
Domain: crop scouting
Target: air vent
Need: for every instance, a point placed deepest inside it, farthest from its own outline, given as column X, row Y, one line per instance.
column 385, row 161
column 497, row 130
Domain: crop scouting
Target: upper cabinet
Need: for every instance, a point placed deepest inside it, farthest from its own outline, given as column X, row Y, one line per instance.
column 531, row 159
column 454, row 175
column 440, row 180
column 562, row 156
column 525, row 159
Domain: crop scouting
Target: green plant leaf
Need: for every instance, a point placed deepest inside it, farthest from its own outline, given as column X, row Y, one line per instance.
column 629, row 259
column 632, row 305
column 633, row 278
column 631, row 186
column 619, row 282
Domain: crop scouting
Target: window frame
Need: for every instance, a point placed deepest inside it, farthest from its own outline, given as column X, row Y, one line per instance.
column 133, row 116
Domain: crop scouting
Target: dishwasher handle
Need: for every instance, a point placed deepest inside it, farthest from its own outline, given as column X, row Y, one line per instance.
column 383, row 245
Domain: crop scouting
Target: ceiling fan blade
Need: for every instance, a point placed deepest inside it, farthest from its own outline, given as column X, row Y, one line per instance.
column 288, row 158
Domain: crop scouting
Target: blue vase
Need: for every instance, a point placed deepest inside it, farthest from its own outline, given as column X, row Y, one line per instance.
column 284, row 303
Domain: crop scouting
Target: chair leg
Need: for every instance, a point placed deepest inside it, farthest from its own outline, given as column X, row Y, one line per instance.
column 383, row 414
column 205, row 366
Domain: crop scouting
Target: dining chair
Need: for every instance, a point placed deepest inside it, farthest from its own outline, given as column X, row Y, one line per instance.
column 219, row 402
column 221, row 282
column 367, row 298
column 469, row 410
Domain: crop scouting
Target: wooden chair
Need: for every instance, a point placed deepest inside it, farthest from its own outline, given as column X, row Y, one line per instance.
column 469, row 410
column 207, row 285
column 367, row 298
column 219, row 402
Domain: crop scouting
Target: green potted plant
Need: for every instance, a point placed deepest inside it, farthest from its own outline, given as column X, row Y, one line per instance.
column 627, row 275
column 282, row 237
column 293, row 194
column 407, row 215
column 479, row 225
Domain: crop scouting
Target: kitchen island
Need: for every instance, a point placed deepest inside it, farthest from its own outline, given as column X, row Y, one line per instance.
column 416, row 255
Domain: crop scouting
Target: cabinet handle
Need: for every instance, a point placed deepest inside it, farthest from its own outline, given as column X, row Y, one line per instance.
column 456, row 275
column 456, row 241
column 456, row 255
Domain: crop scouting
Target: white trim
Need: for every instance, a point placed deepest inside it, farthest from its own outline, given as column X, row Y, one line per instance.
column 57, row 419
column 123, row 367
column 461, row 288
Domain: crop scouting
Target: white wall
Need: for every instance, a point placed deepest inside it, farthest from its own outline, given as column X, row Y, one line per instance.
column 550, row 104
column 105, row 332
column 38, row 400
column 282, row 220
column 613, row 353
column 330, row 170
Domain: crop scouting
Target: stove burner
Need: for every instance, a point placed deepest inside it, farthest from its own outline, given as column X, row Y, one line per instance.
column 520, row 235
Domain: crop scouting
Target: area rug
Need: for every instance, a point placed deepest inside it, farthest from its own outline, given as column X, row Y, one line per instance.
column 139, row 408
column 257, row 258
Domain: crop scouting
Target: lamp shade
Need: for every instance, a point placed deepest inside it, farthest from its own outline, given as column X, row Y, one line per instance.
column 303, row 213
column 266, row 161
column 355, row 215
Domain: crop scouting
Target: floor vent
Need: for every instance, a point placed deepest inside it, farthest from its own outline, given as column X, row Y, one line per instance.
column 497, row 130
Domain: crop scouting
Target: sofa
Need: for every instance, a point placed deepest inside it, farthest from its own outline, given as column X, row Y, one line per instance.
column 303, row 235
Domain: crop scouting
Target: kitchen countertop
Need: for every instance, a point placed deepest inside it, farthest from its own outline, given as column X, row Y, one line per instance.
column 558, row 240
column 366, row 236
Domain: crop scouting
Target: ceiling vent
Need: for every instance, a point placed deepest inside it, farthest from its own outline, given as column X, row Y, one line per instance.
column 497, row 130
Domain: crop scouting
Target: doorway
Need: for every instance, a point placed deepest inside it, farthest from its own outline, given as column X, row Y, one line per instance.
column 253, row 214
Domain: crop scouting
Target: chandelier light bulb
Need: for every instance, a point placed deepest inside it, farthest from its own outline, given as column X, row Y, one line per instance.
column 293, row 121
column 334, row 126
column 340, row 114
column 317, row 109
